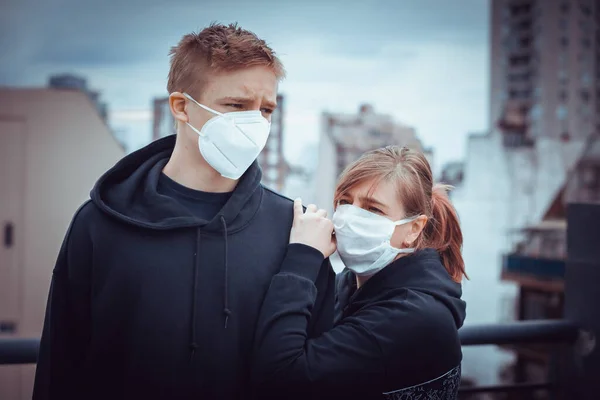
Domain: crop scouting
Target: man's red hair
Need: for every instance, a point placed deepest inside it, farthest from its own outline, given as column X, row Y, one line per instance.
column 217, row 48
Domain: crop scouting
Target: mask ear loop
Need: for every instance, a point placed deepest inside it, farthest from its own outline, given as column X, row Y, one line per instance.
column 201, row 105
column 406, row 220
column 406, row 249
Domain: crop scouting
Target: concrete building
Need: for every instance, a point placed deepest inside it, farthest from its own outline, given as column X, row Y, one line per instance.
column 271, row 159
column 163, row 123
column 544, row 57
column 537, row 261
column 544, row 108
column 53, row 147
column 345, row 137
column 74, row 82
column 453, row 173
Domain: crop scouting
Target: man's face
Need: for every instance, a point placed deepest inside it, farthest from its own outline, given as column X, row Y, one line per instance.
column 248, row 89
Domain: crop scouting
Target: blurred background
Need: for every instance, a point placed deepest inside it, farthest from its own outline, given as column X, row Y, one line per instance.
column 503, row 96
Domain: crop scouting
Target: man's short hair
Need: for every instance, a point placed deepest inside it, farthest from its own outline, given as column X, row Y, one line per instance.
column 217, row 48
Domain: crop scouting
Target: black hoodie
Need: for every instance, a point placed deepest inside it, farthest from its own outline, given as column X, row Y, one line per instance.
column 149, row 302
column 398, row 330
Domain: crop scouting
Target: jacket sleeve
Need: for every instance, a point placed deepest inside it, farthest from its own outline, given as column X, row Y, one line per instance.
column 67, row 322
column 286, row 359
column 322, row 315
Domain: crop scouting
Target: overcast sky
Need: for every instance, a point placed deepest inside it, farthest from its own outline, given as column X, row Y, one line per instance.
column 423, row 61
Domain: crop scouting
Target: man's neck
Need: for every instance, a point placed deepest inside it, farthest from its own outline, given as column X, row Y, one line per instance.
column 187, row 167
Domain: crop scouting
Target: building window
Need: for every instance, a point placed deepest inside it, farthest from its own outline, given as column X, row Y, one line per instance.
column 585, row 96
column 562, row 59
column 585, row 9
column 562, row 76
column 563, row 95
column 561, row 112
column 591, row 177
column 536, row 112
column 563, row 23
column 586, row 43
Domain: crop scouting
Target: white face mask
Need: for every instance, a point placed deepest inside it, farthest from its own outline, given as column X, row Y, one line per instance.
column 230, row 142
column 363, row 239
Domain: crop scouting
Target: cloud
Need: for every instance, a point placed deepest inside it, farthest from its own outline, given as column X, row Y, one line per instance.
column 119, row 116
column 424, row 62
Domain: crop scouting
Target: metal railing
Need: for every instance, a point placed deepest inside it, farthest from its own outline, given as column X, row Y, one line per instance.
column 576, row 354
column 24, row 351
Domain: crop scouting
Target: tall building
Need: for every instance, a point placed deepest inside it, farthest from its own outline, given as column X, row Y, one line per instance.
column 271, row 159
column 345, row 137
column 74, row 82
column 544, row 70
column 53, row 147
column 163, row 123
column 544, row 109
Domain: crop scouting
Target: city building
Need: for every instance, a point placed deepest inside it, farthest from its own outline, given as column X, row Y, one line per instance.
column 537, row 262
column 453, row 173
column 272, row 161
column 163, row 123
column 544, row 57
column 74, row 82
column 54, row 145
column 345, row 137
column 544, row 110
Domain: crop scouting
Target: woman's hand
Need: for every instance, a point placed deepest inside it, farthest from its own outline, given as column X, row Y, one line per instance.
column 312, row 228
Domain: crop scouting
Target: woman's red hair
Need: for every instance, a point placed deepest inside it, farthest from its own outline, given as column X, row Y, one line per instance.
column 410, row 171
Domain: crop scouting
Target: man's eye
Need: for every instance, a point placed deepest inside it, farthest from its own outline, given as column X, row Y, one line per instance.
column 267, row 111
column 235, row 105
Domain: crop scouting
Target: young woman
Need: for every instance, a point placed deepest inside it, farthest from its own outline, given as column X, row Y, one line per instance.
column 399, row 297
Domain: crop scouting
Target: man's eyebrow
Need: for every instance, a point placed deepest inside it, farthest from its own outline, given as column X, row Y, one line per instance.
column 246, row 100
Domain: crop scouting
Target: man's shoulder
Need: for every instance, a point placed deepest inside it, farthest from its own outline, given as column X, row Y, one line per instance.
column 86, row 216
column 277, row 202
column 275, row 196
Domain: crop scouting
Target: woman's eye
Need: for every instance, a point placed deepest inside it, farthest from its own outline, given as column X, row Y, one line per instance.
column 375, row 210
column 267, row 111
column 341, row 202
column 234, row 105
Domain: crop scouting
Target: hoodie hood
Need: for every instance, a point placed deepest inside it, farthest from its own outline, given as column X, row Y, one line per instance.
column 128, row 192
column 421, row 271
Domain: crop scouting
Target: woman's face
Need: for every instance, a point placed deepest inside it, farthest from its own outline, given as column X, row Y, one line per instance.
column 383, row 200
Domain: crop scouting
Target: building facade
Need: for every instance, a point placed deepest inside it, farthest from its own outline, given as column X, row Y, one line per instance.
column 345, row 137
column 163, row 123
column 544, row 65
column 54, row 145
column 272, row 160
column 544, row 110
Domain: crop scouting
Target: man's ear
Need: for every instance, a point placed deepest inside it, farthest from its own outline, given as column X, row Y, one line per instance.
column 178, row 106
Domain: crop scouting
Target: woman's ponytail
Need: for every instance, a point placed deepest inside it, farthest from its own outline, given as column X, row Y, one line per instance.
column 444, row 234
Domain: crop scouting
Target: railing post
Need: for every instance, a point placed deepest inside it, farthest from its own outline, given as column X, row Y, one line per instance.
column 582, row 297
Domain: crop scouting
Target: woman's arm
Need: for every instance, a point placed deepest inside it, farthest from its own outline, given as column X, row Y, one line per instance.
column 284, row 356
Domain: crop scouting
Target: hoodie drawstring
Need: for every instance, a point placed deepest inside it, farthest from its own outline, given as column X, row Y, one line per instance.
column 226, row 309
column 193, row 344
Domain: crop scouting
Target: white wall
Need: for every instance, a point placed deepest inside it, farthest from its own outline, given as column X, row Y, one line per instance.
column 482, row 207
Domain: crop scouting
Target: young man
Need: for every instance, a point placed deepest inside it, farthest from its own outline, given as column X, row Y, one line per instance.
column 158, row 284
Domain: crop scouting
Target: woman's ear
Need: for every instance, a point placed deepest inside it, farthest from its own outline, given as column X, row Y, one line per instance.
column 416, row 227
